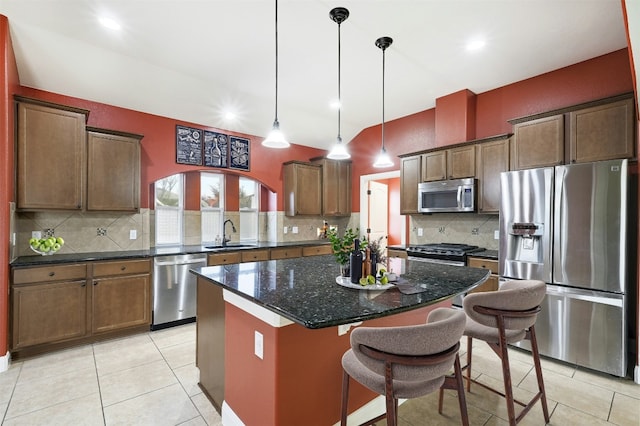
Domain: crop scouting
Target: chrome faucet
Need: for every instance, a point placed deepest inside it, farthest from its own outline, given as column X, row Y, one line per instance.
column 225, row 240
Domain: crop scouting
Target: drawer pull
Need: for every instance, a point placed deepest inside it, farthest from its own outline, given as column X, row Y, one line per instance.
column 122, row 268
column 51, row 273
column 95, row 283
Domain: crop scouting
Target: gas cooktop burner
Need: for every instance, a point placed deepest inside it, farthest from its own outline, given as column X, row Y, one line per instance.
column 443, row 251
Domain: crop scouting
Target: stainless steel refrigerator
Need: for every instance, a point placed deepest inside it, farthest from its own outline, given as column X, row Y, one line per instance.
column 567, row 226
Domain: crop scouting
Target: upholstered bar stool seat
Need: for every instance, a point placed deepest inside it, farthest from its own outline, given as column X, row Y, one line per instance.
column 406, row 362
column 499, row 318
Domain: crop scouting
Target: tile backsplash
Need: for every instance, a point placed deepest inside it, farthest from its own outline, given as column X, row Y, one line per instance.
column 462, row 228
column 84, row 232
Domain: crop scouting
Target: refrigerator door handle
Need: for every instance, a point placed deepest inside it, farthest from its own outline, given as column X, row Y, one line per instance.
column 591, row 297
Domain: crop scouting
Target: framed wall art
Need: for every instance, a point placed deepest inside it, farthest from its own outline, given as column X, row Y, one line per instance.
column 216, row 149
column 188, row 146
column 239, row 153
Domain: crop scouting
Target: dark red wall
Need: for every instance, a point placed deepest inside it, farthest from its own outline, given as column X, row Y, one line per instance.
column 9, row 83
column 158, row 144
column 596, row 78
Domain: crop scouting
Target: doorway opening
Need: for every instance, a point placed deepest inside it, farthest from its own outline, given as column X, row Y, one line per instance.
column 380, row 209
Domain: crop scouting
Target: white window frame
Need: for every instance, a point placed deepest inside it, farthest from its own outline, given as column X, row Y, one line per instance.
column 169, row 212
column 212, row 236
column 249, row 216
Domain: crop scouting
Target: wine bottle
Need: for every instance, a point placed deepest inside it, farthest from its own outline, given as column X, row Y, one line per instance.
column 355, row 261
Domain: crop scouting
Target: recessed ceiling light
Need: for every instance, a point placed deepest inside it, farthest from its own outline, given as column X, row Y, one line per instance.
column 110, row 23
column 475, row 44
column 229, row 115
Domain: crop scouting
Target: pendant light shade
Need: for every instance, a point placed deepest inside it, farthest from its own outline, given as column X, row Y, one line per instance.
column 383, row 159
column 339, row 150
column 275, row 139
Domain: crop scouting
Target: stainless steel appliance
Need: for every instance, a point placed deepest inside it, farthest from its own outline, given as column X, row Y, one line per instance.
column 456, row 195
column 174, row 289
column 447, row 253
column 567, row 226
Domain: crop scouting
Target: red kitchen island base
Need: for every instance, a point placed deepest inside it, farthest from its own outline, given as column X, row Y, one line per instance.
column 298, row 380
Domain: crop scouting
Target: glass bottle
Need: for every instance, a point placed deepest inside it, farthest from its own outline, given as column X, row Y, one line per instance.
column 355, row 261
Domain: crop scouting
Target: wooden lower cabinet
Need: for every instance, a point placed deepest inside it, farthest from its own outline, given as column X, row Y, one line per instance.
column 491, row 284
column 48, row 313
column 120, row 302
column 223, row 258
column 254, row 255
column 286, row 253
column 317, row 250
column 59, row 305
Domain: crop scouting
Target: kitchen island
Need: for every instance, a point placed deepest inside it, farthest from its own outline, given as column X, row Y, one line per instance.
column 270, row 334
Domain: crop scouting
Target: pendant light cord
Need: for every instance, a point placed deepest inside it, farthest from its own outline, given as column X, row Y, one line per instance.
column 276, row 118
column 339, row 97
column 383, row 62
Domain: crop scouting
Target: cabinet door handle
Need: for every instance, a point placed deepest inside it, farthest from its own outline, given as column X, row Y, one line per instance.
column 83, row 284
column 51, row 273
column 95, row 283
column 122, row 268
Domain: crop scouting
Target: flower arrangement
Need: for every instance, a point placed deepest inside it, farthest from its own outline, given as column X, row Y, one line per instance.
column 342, row 246
column 375, row 248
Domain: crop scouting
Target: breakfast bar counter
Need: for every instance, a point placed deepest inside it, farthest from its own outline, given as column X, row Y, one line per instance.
column 270, row 335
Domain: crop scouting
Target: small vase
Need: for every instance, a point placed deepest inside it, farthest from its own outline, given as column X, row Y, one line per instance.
column 345, row 270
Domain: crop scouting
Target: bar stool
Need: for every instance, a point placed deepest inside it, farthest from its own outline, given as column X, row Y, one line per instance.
column 505, row 316
column 406, row 362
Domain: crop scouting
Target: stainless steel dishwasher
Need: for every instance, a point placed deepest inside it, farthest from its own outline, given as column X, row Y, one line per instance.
column 174, row 289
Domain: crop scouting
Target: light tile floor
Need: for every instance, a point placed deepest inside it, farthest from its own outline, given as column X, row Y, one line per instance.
column 151, row 379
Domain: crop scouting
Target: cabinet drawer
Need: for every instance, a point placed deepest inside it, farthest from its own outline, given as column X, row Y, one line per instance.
column 316, row 250
column 476, row 262
column 396, row 253
column 122, row 267
column 255, row 255
column 286, row 253
column 223, row 258
column 49, row 273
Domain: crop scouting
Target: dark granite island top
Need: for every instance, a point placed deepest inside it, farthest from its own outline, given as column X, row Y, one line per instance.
column 305, row 291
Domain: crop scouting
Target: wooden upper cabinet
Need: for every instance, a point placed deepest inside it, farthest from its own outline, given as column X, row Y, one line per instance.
column 461, row 162
column 336, row 187
column 538, row 143
column 454, row 163
column 113, row 171
column 493, row 159
column 50, row 150
column 602, row 132
column 302, row 188
column 434, row 166
column 410, row 172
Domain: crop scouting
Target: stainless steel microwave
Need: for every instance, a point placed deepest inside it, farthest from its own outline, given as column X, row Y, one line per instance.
column 456, row 195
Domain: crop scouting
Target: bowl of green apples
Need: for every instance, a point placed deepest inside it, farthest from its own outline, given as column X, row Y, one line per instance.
column 46, row 246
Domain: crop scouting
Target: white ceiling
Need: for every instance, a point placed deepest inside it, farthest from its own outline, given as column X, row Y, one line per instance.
column 191, row 60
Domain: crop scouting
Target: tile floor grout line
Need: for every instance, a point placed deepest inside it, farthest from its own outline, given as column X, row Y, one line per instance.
column 95, row 365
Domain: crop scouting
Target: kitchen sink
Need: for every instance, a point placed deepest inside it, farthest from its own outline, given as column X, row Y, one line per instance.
column 230, row 246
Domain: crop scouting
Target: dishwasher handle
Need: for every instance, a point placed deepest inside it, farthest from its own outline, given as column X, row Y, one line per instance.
column 181, row 262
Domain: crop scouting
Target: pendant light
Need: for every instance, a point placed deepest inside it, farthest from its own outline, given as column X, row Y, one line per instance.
column 383, row 159
column 339, row 151
column 276, row 139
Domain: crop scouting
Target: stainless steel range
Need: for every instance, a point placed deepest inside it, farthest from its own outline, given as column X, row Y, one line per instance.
column 447, row 253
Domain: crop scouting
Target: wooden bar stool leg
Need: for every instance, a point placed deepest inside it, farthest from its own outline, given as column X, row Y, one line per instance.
column 468, row 367
column 536, row 362
column 506, row 373
column 345, row 398
column 460, row 389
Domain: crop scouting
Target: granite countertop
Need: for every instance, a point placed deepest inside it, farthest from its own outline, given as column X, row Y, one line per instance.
column 305, row 291
column 36, row 260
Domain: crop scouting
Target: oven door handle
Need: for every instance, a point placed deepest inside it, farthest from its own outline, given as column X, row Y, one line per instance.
column 440, row 261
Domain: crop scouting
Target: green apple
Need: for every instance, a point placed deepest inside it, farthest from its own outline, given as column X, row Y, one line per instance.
column 56, row 247
column 48, row 242
column 45, row 248
column 34, row 242
column 60, row 241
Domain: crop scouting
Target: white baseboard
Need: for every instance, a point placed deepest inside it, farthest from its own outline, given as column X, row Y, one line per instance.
column 368, row 411
column 5, row 360
column 229, row 418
